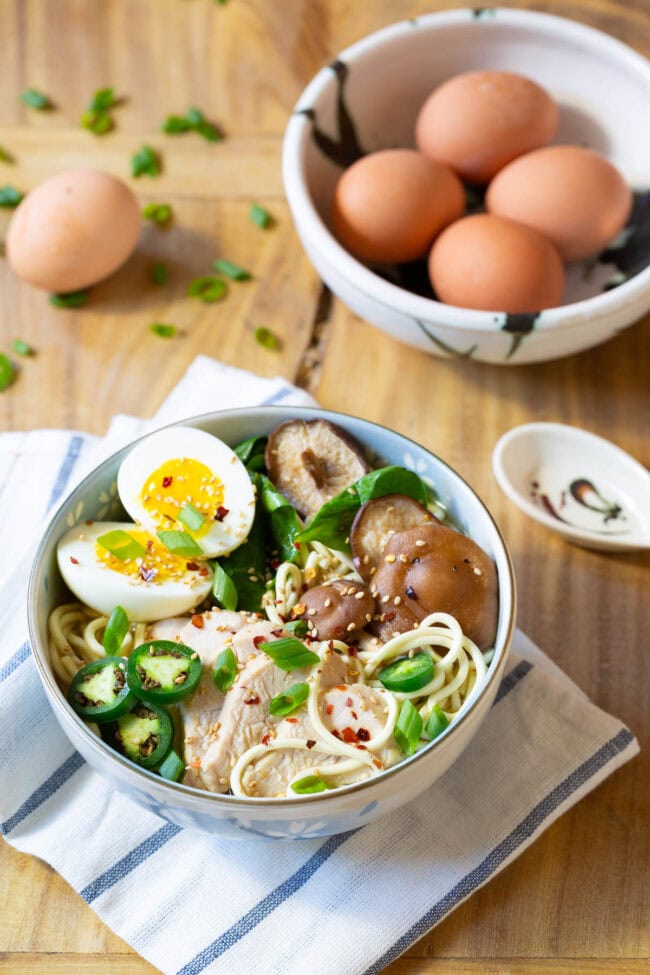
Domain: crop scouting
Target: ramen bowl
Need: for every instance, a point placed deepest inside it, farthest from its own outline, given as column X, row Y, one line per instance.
column 322, row 814
column 368, row 99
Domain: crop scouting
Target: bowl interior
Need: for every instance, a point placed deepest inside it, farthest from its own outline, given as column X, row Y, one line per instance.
column 96, row 498
column 369, row 98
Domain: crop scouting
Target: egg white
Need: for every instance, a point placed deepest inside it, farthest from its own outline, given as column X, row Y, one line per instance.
column 102, row 588
column 172, row 445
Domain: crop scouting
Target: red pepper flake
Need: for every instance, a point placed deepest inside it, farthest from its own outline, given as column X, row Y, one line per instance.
column 149, row 546
column 292, row 720
column 192, row 566
column 146, row 574
column 353, row 651
column 390, row 616
column 377, row 763
column 197, row 621
column 203, row 571
column 341, row 687
column 337, row 734
column 350, row 736
column 354, row 715
column 363, row 734
column 257, row 640
column 330, row 708
column 277, row 632
column 275, row 564
column 362, row 748
column 348, row 702
column 310, row 742
column 221, row 513
column 89, row 522
column 73, row 560
column 167, row 481
column 297, row 545
column 331, row 644
column 195, row 763
column 252, row 700
column 266, row 739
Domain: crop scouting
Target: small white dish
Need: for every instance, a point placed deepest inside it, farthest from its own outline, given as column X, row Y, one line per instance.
column 576, row 483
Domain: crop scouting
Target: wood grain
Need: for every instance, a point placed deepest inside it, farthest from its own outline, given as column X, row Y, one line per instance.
column 576, row 901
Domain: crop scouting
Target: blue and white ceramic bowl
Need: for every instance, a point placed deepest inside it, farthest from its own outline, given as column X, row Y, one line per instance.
column 368, row 99
column 304, row 816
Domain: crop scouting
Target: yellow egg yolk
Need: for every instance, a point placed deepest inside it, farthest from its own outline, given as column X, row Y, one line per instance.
column 179, row 482
column 158, row 565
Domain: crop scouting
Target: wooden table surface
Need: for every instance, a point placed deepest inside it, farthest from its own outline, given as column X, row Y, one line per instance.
column 577, row 901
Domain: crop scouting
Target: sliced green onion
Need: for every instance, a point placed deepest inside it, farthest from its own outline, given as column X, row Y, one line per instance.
column 260, row 216
column 309, row 784
column 145, row 162
column 116, row 629
column 293, row 698
column 5, row 155
column 172, row 768
column 179, row 543
column 225, row 669
column 73, row 299
column 97, row 122
column 22, row 348
column 163, row 330
column 224, row 589
column 207, row 288
column 408, row 728
column 231, row 270
column 436, row 723
column 191, row 517
column 266, row 338
column 297, row 627
column 289, row 653
column 7, row 372
column 122, row 545
column 159, row 273
column 10, row 197
column 157, row 212
column 102, row 100
column 35, row 99
column 175, row 125
column 199, row 124
column 407, row 674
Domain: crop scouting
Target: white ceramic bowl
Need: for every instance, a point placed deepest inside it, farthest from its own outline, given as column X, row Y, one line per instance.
column 368, row 99
column 304, row 816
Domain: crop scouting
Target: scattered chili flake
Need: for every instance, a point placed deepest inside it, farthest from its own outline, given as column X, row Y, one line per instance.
column 390, row 616
column 330, row 708
column 363, row 734
column 195, row 763
column 350, row 736
column 377, row 763
column 292, row 720
column 192, row 566
column 277, row 632
column 197, row 621
column 252, row 700
column 362, row 748
column 257, row 640
column 337, row 734
column 167, row 481
column 348, row 702
column 73, row 560
column 221, row 513
column 297, row 545
column 146, row 574
column 341, row 687
column 203, row 571
column 353, row 651
column 266, row 739
column 354, row 715
column 310, row 742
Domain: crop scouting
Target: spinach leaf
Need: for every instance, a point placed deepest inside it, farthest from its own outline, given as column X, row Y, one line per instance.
column 251, row 453
column 282, row 519
column 246, row 566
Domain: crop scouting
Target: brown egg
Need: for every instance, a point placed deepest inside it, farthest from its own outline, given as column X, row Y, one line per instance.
column 478, row 121
column 73, row 230
column 570, row 194
column 389, row 206
column 493, row 264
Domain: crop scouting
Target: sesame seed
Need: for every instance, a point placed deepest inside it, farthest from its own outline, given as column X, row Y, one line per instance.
column 391, row 558
column 365, row 560
column 311, row 611
column 403, row 558
column 397, row 600
column 327, row 603
column 385, row 598
column 350, row 627
column 360, row 594
column 420, row 543
column 477, row 572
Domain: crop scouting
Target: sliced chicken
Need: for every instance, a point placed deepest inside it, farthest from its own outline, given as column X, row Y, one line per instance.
column 357, row 713
column 207, row 633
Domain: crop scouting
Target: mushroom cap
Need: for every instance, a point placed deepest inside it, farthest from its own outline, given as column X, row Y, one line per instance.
column 431, row 569
column 337, row 608
column 375, row 523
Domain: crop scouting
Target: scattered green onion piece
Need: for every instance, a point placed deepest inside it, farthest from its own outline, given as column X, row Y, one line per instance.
column 309, row 784
column 296, row 627
column 289, row 653
column 5, row 156
column 408, row 728
column 10, row 197
column 266, row 338
column 7, row 372
column 231, row 270
column 163, row 330
column 116, row 629
column 172, row 768
column 157, row 212
column 224, row 589
column 175, row 125
column 436, row 723
column 35, row 99
column 145, row 162
column 208, row 131
column 97, row 122
column 159, row 273
column 289, row 701
column 225, row 669
column 260, row 216
column 102, row 100
column 191, row 517
column 122, row 545
column 407, row 674
column 179, row 543
column 208, row 289
column 74, row 299
column 22, row 348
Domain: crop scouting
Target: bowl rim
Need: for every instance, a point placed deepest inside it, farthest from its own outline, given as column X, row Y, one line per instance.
column 144, row 777
column 376, row 288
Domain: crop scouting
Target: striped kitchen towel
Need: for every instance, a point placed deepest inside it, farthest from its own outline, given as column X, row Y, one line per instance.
column 193, row 904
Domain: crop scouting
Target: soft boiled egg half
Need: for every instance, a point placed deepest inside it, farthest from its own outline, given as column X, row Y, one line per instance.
column 190, row 490
column 107, row 564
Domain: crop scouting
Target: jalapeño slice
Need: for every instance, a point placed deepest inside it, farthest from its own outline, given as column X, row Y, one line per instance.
column 99, row 691
column 163, row 672
column 408, row 674
column 144, row 734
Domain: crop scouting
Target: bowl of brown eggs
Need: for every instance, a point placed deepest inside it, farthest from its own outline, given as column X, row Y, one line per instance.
column 476, row 183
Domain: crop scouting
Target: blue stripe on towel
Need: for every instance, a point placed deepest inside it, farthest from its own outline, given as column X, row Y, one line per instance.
column 14, row 662
column 133, row 859
column 263, row 908
column 512, row 679
column 44, row 791
column 65, row 470
column 278, row 396
column 506, row 847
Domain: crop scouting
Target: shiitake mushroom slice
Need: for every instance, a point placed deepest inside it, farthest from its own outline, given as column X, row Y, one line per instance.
column 376, row 522
column 311, row 461
column 335, row 610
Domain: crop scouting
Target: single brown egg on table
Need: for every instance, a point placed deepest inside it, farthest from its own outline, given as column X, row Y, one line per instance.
column 570, row 194
column 73, row 230
column 492, row 264
column 478, row 121
column 389, row 205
